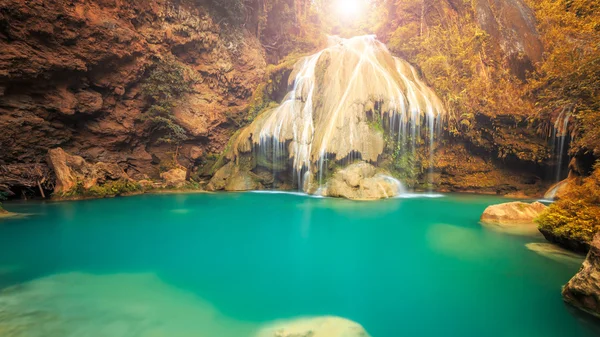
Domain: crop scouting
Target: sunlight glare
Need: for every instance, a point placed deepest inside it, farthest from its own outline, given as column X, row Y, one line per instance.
column 349, row 9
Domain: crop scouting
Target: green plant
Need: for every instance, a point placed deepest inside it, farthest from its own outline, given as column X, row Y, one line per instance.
column 3, row 196
column 167, row 82
column 108, row 189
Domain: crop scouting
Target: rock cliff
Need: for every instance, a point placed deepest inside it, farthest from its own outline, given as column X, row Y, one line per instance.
column 72, row 72
column 583, row 290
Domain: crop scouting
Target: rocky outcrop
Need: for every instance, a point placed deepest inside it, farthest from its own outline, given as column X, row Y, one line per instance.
column 174, row 177
column 315, row 327
column 583, row 290
column 514, row 217
column 512, row 24
column 234, row 179
column 73, row 172
column 362, row 181
column 71, row 75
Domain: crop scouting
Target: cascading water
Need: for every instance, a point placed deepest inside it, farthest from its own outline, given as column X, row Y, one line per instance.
column 345, row 103
column 561, row 132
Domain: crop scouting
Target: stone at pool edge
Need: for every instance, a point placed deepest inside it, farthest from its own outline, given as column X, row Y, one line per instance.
column 583, row 290
column 326, row 326
column 513, row 217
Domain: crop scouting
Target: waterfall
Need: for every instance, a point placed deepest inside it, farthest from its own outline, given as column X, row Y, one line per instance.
column 560, row 134
column 346, row 103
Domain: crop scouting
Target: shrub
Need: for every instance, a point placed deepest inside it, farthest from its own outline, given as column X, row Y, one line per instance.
column 576, row 216
column 166, row 83
column 108, row 189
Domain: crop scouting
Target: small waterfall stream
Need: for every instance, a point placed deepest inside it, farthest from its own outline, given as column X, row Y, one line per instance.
column 561, row 132
column 345, row 103
column 560, row 144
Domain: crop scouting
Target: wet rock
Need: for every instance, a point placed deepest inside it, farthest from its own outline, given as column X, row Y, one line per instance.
column 219, row 179
column 571, row 243
column 557, row 190
column 234, row 179
column 513, row 213
column 314, row 327
column 174, row 177
column 72, row 170
column 583, row 290
column 513, row 217
column 362, row 181
column 242, row 181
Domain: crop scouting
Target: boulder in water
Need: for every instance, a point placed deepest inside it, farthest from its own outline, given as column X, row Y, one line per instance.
column 314, row 327
column 362, row 181
column 513, row 217
column 583, row 290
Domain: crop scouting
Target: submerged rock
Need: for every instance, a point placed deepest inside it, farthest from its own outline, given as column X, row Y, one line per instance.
column 555, row 252
column 513, row 217
column 583, row 290
column 115, row 305
column 362, row 181
column 314, row 327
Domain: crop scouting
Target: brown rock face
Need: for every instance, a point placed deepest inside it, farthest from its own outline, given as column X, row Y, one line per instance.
column 174, row 177
column 72, row 170
column 583, row 290
column 512, row 24
column 71, row 75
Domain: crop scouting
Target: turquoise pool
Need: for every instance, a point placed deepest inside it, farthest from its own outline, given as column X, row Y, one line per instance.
column 225, row 265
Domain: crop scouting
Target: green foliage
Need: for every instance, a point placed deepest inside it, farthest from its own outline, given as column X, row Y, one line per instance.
column 3, row 196
column 114, row 188
column 233, row 10
column 166, row 83
column 576, row 216
column 108, row 189
column 404, row 165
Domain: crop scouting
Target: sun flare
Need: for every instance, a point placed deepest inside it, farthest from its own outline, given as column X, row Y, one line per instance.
column 350, row 9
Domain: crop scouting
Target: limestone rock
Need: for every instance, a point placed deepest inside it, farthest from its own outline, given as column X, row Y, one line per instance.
column 557, row 190
column 513, row 217
column 361, row 181
column 314, row 327
column 219, row 179
column 71, row 170
column 513, row 213
column 232, row 178
column 174, row 177
column 583, row 290
column 241, row 181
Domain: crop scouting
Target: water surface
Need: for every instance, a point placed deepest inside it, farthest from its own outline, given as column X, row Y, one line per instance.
column 223, row 265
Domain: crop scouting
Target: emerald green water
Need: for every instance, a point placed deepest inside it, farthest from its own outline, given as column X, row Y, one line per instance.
column 222, row 265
